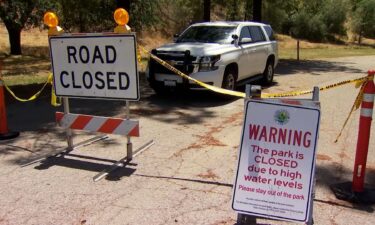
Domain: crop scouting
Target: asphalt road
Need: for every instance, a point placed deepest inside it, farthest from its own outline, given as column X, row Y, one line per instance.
column 186, row 177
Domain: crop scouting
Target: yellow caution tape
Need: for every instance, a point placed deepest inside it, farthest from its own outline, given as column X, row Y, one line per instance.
column 243, row 95
column 33, row 97
column 54, row 100
column 210, row 87
column 359, row 82
column 139, row 57
column 357, row 102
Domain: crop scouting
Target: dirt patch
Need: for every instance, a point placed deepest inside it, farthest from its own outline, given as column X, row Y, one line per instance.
column 323, row 157
column 208, row 138
column 343, row 155
column 209, row 175
column 204, row 141
column 149, row 111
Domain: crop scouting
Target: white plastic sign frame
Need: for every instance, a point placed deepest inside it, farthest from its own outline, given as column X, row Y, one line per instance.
column 100, row 66
column 276, row 162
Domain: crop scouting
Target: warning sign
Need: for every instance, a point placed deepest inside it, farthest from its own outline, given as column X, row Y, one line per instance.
column 276, row 161
column 95, row 66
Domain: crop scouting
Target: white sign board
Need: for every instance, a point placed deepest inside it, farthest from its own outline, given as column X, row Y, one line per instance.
column 276, row 161
column 95, row 66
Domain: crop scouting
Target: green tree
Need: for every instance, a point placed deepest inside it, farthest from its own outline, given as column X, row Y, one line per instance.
column 20, row 14
column 363, row 21
column 97, row 15
column 86, row 15
column 316, row 20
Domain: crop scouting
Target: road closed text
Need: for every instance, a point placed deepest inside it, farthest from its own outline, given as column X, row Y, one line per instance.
column 93, row 79
column 99, row 80
column 95, row 66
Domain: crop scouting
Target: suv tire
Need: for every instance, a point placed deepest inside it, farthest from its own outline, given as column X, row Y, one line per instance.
column 159, row 89
column 268, row 73
column 229, row 80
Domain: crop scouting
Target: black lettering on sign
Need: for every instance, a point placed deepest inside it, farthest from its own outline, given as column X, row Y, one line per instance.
column 99, row 77
column 74, row 82
column 97, row 55
column 110, row 80
column 64, row 73
column 84, row 54
column 124, row 80
column 110, row 54
column 87, row 80
column 72, row 51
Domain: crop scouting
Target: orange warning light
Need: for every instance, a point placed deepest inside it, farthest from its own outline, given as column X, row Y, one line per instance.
column 121, row 16
column 50, row 19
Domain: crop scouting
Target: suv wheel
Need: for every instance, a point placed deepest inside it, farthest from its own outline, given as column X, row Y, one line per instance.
column 268, row 73
column 229, row 80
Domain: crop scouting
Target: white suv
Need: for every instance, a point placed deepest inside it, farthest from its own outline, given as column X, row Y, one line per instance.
column 223, row 54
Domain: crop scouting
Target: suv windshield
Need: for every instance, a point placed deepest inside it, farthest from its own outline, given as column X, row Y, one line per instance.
column 208, row 34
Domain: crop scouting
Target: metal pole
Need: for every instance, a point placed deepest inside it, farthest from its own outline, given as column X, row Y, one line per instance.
column 315, row 98
column 129, row 145
column 298, row 49
column 69, row 133
column 243, row 219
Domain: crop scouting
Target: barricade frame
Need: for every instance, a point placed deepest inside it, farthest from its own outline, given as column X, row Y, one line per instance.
column 130, row 154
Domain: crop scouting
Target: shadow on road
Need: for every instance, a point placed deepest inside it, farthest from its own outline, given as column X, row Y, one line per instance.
column 314, row 67
column 39, row 114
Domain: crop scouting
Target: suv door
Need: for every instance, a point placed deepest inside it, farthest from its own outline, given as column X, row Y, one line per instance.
column 259, row 49
column 245, row 65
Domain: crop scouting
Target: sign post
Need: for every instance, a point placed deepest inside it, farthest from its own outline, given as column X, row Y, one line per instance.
column 275, row 174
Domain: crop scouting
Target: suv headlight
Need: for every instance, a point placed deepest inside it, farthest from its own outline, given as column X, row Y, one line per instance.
column 207, row 63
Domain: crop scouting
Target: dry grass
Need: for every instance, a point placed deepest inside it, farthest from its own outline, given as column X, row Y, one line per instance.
column 34, row 65
column 308, row 50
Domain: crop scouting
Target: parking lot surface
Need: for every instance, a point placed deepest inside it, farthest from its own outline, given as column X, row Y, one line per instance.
column 186, row 177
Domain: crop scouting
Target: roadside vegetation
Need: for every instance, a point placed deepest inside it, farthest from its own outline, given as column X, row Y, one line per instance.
column 324, row 28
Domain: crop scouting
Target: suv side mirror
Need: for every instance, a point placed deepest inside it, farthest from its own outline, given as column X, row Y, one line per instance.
column 235, row 39
column 175, row 37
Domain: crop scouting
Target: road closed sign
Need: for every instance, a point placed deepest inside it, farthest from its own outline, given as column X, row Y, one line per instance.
column 95, row 66
column 276, row 160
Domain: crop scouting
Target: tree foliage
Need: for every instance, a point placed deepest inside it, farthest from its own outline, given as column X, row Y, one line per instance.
column 363, row 19
column 18, row 14
column 316, row 20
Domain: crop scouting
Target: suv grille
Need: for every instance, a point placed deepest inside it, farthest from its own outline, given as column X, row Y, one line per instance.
column 182, row 61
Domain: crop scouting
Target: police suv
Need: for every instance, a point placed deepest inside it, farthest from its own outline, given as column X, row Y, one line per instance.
column 223, row 54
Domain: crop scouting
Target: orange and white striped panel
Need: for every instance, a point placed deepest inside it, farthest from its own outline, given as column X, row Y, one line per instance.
column 98, row 124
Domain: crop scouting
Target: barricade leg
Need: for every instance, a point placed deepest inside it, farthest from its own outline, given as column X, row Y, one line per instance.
column 129, row 145
column 5, row 134
column 69, row 133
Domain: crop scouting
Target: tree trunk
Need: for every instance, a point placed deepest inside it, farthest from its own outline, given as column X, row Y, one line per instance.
column 15, row 41
column 257, row 10
column 123, row 4
column 207, row 10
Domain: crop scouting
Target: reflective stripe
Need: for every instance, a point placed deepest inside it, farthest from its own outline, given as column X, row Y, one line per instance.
column 368, row 97
column 366, row 112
